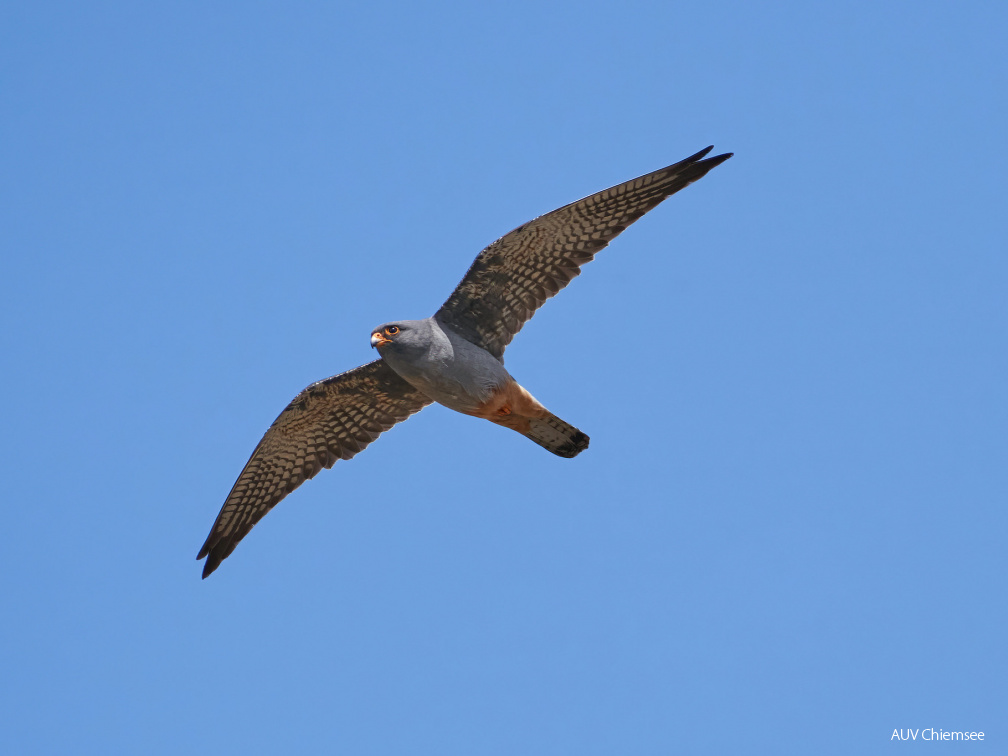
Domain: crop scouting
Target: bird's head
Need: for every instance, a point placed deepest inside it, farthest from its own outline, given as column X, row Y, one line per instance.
column 385, row 334
column 402, row 335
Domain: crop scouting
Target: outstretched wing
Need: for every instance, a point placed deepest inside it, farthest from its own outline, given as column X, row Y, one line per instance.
column 330, row 420
column 515, row 275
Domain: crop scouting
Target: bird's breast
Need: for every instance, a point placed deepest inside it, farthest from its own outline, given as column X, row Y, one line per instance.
column 462, row 377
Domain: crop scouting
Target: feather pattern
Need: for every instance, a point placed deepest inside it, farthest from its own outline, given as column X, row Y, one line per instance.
column 514, row 276
column 330, row 420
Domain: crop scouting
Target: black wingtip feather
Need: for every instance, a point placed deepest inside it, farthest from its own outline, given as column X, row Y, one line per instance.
column 693, row 168
column 213, row 561
column 717, row 159
column 694, row 158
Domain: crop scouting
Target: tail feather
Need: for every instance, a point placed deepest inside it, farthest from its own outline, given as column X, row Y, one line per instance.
column 557, row 436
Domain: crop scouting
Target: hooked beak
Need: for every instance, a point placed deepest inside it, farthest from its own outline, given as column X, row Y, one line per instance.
column 377, row 339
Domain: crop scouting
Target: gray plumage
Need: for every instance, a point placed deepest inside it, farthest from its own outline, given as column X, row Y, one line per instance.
column 454, row 358
column 441, row 364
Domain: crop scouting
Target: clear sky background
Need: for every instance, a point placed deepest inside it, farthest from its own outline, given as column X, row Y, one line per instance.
column 789, row 533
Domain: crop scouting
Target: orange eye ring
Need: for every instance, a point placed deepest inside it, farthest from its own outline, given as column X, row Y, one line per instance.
column 392, row 330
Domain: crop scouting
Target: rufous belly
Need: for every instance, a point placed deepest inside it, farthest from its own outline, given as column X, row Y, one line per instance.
column 511, row 406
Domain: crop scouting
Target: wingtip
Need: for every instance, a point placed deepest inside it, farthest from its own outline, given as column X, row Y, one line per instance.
column 208, row 568
column 699, row 155
column 700, row 160
column 718, row 159
column 212, row 560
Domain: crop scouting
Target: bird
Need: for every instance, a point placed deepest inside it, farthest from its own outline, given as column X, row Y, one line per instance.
column 454, row 358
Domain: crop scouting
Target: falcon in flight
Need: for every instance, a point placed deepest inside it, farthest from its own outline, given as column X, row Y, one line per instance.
column 455, row 358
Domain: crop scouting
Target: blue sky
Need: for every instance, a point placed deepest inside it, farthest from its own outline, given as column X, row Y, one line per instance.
column 788, row 534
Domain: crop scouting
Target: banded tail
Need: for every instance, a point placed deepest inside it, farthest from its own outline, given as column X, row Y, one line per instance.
column 557, row 436
column 514, row 407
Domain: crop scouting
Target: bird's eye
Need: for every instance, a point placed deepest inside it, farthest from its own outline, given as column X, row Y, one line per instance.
column 392, row 330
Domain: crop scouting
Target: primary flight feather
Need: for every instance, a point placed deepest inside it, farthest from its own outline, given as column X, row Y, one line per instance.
column 454, row 358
